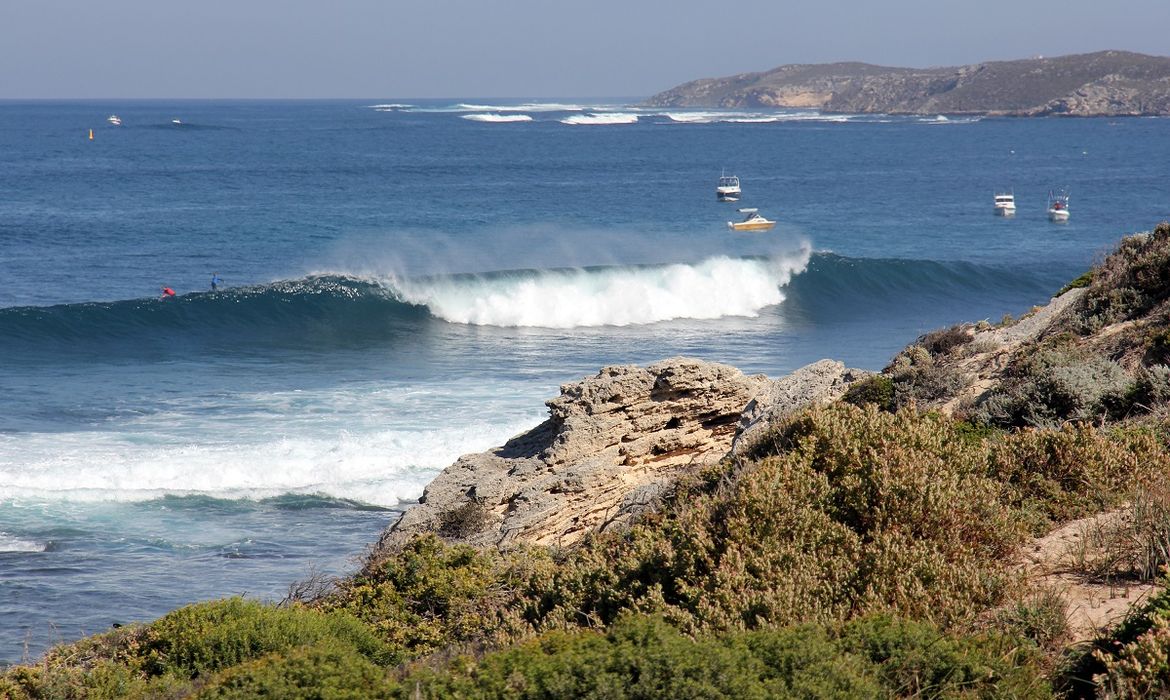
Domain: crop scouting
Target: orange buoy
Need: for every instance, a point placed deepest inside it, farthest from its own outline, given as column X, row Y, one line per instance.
column 91, row 134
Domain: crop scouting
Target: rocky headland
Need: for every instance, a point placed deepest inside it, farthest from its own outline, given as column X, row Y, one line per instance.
column 1106, row 83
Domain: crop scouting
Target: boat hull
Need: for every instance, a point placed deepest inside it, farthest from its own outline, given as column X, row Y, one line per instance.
column 1005, row 211
column 1058, row 214
column 751, row 226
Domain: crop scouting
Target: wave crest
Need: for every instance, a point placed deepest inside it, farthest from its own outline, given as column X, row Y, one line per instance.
column 497, row 118
column 594, row 118
column 616, row 296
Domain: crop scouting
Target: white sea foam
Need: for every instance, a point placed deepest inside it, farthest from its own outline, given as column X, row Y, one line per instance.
column 498, row 118
column 393, row 107
column 256, row 459
column 614, row 296
column 8, row 543
column 602, row 118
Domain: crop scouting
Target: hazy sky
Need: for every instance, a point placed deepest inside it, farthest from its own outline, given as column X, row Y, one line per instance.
column 518, row 48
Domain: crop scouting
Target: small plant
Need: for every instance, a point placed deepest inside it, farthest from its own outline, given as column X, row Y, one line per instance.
column 877, row 389
column 942, row 342
column 1042, row 618
column 465, row 520
column 1084, row 280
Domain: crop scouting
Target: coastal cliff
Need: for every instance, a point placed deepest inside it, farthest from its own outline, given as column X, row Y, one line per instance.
column 1106, row 83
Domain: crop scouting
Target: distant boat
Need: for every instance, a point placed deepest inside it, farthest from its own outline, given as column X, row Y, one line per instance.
column 1058, row 205
column 114, row 119
column 754, row 221
column 176, row 122
column 728, row 189
column 1005, row 204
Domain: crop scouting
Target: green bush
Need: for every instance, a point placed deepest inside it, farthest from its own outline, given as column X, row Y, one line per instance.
column 641, row 657
column 877, row 389
column 207, row 637
column 309, row 673
column 428, row 594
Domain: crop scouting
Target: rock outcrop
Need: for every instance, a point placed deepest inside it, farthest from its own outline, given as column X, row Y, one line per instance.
column 612, row 447
column 1106, row 83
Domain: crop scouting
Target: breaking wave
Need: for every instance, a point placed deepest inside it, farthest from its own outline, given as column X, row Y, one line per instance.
column 594, row 118
column 497, row 118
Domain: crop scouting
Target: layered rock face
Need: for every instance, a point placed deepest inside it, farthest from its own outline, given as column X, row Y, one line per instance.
column 612, row 446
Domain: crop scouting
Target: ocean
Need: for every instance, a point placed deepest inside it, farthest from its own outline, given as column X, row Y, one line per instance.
column 408, row 282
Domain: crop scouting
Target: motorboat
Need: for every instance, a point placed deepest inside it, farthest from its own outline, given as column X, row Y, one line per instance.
column 1058, row 206
column 1005, row 204
column 753, row 221
column 177, row 122
column 728, row 189
column 114, row 119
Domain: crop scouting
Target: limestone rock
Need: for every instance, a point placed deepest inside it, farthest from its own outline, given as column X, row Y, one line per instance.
column 611, row 447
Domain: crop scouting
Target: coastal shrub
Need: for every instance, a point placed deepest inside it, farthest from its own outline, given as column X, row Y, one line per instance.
column 1048, row 387
column 943, row 341
column 914, row 659
column 1152, row 387
column 1157, row 351
column 846, row 510
column 1042, row 617
column 877, row 389
column 1051, row 476
column 428, row 594
column 919, row 378
column 307, row 673
column 1132, row 280
column 642, row 657
column 207, row 637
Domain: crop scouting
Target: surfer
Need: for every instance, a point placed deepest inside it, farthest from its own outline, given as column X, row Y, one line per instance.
column 167, row 293
column 215, row 281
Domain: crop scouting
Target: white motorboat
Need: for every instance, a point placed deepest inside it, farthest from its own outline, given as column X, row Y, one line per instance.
column 753, row 221
column 728, row 189
column 1058, row 206
column 114, row 119
column 1005, row 204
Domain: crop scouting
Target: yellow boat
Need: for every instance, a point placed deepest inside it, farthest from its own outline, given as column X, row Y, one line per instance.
column 754, row 221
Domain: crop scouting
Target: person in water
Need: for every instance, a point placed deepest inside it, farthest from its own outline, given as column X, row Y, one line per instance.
column 167, row 293
column 215, row 281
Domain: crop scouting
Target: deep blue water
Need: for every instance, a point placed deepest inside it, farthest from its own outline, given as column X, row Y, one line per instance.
column 406, row 284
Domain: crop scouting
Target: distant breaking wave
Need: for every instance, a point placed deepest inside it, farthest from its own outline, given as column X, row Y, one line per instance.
column 497, row 118
column 602, row 118
column 526, row 107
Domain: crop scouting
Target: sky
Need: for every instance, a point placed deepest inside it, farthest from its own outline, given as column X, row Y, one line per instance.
column 517, row 48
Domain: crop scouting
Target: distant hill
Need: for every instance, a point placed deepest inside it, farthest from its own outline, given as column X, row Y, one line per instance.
column 1106, row 83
